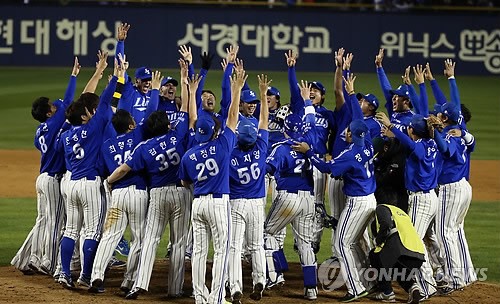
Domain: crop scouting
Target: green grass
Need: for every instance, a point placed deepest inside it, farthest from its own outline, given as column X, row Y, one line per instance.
column 482, row 225
column 20, row 86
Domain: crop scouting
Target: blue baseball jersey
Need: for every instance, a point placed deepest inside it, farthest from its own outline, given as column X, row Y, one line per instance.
column 420, row 169
column 248, row 169
column 250, row 118
column 116, row 150
column 293, row 170
column 452, row 165
column 61, row 145
column 83, row 142
column 355, row 165
column 276, row 130
column 46, row 141
column 373, row 126
column 324, row 124
column 206, row 165
column 169, row 107
column 401, row 120
column 160, row 156
column 134, row 101
column 343, row 118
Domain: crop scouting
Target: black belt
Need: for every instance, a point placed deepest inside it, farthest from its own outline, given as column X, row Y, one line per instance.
column 55, row 175
column 297, row 191
column 214, row 195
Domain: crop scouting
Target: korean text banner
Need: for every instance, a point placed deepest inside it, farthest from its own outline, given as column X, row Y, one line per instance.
column 51, row 36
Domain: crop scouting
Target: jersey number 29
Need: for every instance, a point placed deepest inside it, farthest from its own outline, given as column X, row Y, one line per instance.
column 210, row 165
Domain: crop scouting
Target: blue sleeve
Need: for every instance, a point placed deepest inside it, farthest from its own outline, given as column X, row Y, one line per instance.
column 424, row 101
column 190, row 70
column 182, row 125
column 355, row 108
column 201, row 85
column 270, row 169
column 225, row 101
column 296, row 101
column 320, row 164
column 101, row 116
column 415, row 100
column 441, row 143
column 309, row 127
column 454, row 95
column 125, row 101
column 386, row 87
column 404, row 139
column 438, row 94
column 120, row 49
column 154, row 100
column 70, row 91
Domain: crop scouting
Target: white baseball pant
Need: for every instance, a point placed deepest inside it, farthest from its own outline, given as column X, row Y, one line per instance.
column 337, row 200
column 169, row 204
column 297, row 209
column 422, row 209
column 271, row 188
column 454, row 201
column 212, row 214
column 129, row 206
column 352, row 224
column 247, row 217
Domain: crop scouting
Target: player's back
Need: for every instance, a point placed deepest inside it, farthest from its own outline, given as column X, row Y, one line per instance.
column 420, row 168
column 358, row 170
column 452, row 167
column 82, row 145
column 293, row 171
column 248, row 168
column 207, row 164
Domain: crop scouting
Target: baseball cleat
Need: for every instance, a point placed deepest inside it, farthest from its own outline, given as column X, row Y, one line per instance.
column 351, row 298
column 387, row 298
column 97, row 286
column 45, row 270
column 134, row 293
column 236, row 297
column 256, row 295
column 27, row 271
column 116, row 263
column 83, row 281
column 310, row 293
column 414, row 296
column 66, row 281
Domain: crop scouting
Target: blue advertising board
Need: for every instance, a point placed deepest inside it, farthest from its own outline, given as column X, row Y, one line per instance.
column 51, row 36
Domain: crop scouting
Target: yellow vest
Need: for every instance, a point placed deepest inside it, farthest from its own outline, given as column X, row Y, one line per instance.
column 407, row 233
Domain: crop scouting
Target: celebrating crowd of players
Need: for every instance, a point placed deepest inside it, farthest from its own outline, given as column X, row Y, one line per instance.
column 138, row 155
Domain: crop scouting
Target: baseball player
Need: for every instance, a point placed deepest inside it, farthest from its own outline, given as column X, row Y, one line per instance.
column 455, row 193
column 469, row 274
column 129, row 196
column 85, row 185
column 294, row 202
column 398, row 103
column 324, row 127
column 206, row 166
column 160, row 157
column 39, row 252
column 247, row 193
column 355, row 165
column 420, row 181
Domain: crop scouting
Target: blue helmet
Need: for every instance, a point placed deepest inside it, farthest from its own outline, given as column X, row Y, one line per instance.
column 293, row 125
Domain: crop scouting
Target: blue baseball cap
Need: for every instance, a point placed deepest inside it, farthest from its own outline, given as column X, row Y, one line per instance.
column 402, row 91
column 247, row 133
column 437, row 109
column 358, row 130
column 143, row 73
column 419, row 125
column 249, row 96
column 372, row 99
column 318, row 85
column 451, row 111
column 293, row 125
column 205, row 127
column 169, row 80
column 273, row 91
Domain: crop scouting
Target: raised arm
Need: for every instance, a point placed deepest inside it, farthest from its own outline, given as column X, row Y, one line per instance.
column 422, row 105
column 237, row 83
column 346, row 69
column 337, row 83
column 154, row 99
column 415, row 100
column 100, row 66
column 264, row 83
column 185, row 92
column 70, row 90
column 449, row 72
column 296, row 101
column 385, row 85
column 353, row 101
column 436, row 91
column 228, row 65
column 121, row 35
